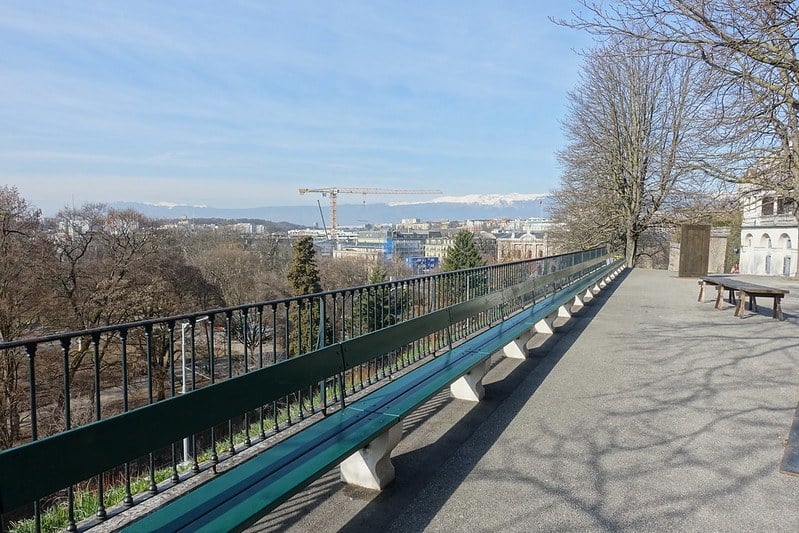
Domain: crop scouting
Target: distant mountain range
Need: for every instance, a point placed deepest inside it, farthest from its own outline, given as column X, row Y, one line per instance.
column 444, row 208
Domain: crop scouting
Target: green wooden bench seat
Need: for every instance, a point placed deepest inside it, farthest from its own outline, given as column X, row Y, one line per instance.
column 238, row 498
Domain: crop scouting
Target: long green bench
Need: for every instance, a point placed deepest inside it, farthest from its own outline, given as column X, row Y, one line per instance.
column 237, row 498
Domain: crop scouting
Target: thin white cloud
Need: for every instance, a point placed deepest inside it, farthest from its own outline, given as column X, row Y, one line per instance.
column 269, row 95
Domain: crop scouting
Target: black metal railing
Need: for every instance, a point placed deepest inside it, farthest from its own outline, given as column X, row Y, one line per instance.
column 71, row 379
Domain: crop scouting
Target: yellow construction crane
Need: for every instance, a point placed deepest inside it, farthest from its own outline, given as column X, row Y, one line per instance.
column 331, row 193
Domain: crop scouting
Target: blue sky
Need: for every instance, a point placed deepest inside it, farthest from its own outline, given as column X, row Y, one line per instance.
column 240, row 103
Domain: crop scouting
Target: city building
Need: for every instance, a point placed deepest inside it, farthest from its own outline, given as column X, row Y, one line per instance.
column 413, row 224
column 437, row 246
column 370, row 254
column 525, row 246
column 769, row 233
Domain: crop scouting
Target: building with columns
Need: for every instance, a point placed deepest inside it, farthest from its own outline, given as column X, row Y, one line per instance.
column 526, row 246
column 769, row 235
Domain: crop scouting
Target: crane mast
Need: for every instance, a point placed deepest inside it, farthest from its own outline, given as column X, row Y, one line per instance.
column 331, row 193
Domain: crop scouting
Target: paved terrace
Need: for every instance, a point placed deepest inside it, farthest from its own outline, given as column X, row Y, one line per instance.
column 646, row 411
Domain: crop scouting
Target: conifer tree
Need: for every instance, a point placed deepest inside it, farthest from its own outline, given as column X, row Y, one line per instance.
column 304, row 315
column 463, row 253
column 303, row 272
column 379, row 306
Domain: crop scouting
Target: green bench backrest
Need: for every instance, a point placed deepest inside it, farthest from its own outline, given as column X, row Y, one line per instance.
column 116, row 440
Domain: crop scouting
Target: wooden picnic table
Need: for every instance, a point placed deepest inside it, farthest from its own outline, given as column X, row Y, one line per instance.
column 743, row 290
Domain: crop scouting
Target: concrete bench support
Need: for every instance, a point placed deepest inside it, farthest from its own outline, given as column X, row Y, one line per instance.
column 564, row 311
column 470, row 385
column 578, row 303
column 545, row 324
column 371, row 467
column 517, row 348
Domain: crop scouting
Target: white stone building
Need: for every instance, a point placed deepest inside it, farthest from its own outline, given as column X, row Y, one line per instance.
column 526, row 246
column 437, row 247
column 769, row 236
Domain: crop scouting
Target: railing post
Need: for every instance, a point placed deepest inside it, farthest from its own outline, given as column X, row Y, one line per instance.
column 31, row 350
column 320, row 343
column 65, row 345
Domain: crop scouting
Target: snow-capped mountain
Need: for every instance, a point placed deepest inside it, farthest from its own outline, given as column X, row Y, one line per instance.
column 473, row 206
column 172, row 205
column 479, row 199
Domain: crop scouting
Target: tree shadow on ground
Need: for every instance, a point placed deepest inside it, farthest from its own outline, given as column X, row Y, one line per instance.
column 689, row 433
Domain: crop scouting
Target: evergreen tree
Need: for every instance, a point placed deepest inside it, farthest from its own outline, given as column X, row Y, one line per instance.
column 379, row 306
column 463, row 253
column 304, row 315
column 303, row 272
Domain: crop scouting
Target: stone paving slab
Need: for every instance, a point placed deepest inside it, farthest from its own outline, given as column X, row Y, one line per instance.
column 651, row 412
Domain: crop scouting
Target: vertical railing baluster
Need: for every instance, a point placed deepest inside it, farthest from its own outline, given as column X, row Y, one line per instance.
column 101, row 512
column 334, row 333
column 412, row 308
column 353, row 333
column 65, row 344
column 260, row 312
column 171, row 354
column 212, row 379
column 32, row 404
column 340, row 379
column 385, row 304
column 288, row 350
column 320, row 344
column 123, row 336
column 148, row 337
column 245, row 331
column 311, row 346
column 300, row 351
column 274, row 358
column 357, row 317
column 335, row 338
column 229, row 349
column 346, row 332
column 195, row 465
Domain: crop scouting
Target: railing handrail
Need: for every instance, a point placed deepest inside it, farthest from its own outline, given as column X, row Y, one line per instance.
column 153, row 370
column 100, row 439
column 174, row 319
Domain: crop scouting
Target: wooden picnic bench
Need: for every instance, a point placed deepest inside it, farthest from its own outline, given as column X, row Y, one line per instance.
column 744, row 291
column 359, row 435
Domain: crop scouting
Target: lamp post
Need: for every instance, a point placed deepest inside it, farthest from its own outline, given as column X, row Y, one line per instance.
column 183, row 375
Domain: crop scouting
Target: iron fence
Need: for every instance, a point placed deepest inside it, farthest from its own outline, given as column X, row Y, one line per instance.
column 59, row 382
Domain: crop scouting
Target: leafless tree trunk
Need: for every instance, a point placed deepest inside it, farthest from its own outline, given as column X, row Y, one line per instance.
column 631, row 136
column 22, row 244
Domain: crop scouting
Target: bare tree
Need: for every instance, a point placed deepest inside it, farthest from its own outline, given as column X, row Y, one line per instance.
column 22, row 247
column 173, row 287
column 337, row 273
column 631, row 142
column 22, row 244
column 101, row 274
column 753, row 48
